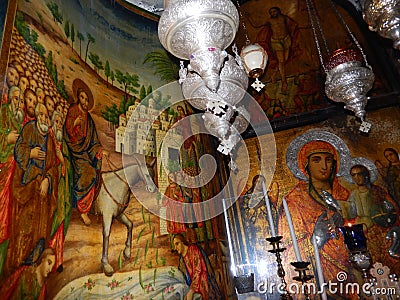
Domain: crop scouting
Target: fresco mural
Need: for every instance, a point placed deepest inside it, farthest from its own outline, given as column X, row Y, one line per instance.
column 294, row 78
column 72, row 91
column 80, row 91
column 333, row 158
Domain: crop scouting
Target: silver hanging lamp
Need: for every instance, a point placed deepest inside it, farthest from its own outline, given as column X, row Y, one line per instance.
column 253, row 57
column 349, row 77
column 213, row 81
column 199, row 31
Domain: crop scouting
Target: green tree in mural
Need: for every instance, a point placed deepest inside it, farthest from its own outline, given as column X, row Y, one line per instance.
column 97, row 63
column 32, row 40
column 49, row 61
column 112, row 77
column 55, row 75
column 53, row 7
column 51, row 68
column 30, row 36
column 124, row 104
column 164, row 66
column 21, row 26
column 129, row 82
column 72, row 36
column 107, row 71
column 61, row 89
column 90, row 39
column 40, row 16
column 111, row 114
column 81, row 38
column 133, row 83
column 161, row 101
column 149, row 89
column 67, row 29
column 142, row 93
column 33, row 37
column 145, row 92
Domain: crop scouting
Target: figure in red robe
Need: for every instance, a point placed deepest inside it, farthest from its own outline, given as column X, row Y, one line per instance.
column 197, row 270
column 173, row 199
column 318, row 160
column 85, row 149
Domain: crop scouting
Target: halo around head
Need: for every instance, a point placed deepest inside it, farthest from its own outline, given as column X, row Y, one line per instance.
column 78, row 84
column 342, row 154
column 373, row 170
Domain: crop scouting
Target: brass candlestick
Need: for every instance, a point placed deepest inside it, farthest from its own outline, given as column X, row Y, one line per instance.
column 276, row 249
column 302, row 268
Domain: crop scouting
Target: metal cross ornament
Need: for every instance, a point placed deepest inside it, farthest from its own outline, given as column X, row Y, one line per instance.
column 217, row 108
column 258, row 85
column 365, row 127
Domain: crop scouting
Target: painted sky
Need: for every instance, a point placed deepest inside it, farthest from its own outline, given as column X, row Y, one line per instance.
column 121, row 37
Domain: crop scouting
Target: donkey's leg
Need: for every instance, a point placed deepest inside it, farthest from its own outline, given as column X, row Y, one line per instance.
column 107, row 268
column 129, row 225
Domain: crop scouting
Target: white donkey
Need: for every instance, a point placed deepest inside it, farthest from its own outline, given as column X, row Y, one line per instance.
column 113, row 199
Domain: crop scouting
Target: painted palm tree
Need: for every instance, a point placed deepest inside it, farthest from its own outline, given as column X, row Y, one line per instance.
column 90, row 39
column 164, row 66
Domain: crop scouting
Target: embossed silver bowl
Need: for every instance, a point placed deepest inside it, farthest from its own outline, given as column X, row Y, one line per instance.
column 349, row 81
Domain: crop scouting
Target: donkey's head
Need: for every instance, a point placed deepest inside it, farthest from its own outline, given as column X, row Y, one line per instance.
column 145, row 173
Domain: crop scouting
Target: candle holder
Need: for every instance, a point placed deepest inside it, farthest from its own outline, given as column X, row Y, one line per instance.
column 277, row 250
column 302, row 268
column 356, row 244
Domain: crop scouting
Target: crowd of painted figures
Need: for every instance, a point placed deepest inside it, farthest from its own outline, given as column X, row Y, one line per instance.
column 50, row 162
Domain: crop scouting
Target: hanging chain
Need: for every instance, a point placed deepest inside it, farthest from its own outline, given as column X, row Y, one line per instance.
column 350, row 33
column 308, row 2
column 238, row 59
column 243, row 24
column 321, row 32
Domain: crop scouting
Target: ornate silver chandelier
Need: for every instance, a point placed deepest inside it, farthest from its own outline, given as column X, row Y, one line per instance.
column 199, row 31
column 213, row 81
column 348, row 75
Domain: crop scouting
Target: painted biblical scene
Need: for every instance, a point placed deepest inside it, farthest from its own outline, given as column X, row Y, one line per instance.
column 334, row 192
column 294, row 79
column 82, row 122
